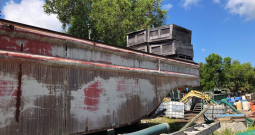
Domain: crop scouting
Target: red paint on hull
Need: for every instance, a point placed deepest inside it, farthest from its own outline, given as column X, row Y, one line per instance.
column 29, row 46
column 37, row 47
column 92, row 94
column 9, row 43
column 7, row 88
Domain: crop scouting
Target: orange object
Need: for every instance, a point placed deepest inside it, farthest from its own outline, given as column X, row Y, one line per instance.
column 238, row 106
column 252, row 106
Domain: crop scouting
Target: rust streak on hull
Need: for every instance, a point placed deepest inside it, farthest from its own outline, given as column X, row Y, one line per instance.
column 18, row 94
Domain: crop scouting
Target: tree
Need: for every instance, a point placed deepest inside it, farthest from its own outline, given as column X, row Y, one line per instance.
column 225, row 80
column 241, row 76
column 225, row 73
column 109, row 20
column 212, row 72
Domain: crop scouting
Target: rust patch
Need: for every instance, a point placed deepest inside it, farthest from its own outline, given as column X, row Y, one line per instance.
column 100, row 61
column 18, row 94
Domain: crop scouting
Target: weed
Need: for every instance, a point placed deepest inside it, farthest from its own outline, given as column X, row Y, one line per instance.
column 225, row 132
column 175, row 124
column 228, row 132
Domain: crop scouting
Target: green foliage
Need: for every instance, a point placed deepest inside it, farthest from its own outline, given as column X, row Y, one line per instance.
column 224, row 132
column 241, row 76
column 250, row 128
column 109, row 21
column 225, row 73
column 212, row 72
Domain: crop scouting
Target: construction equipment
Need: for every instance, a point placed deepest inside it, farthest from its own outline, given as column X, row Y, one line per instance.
column 197, row 94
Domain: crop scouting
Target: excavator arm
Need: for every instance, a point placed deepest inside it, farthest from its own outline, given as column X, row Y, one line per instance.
column 197, row 94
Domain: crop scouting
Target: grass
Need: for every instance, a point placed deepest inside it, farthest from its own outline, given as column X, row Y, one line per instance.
column 228, row 132
column 250, row 128
column 175, row 124
column 225, row 132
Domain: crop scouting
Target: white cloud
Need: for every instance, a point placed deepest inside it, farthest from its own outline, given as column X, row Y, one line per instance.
column 245, row 8
column 203, row 50
column 31, row 12
column 167, row 6
column 226, row 20
column 216, row 1
column 187, row 3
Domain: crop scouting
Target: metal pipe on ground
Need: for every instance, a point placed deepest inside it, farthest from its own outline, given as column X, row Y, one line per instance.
column 154, row 130
column 195, row 118
column 226, row 102
column 230, row 115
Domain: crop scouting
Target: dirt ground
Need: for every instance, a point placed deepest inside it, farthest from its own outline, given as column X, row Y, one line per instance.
column 247, row 113
column 175, row 124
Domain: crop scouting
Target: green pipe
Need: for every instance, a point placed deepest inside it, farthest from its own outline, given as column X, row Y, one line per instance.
column 248, row 133
column 225, row 102
column 179, row 98
column 154, row 130
column 173, row 95
column 213, row 101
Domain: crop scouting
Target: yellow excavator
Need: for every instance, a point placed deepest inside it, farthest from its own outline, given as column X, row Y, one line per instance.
column 197, row 94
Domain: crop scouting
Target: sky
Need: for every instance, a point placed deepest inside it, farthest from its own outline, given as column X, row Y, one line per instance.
column 225, row 27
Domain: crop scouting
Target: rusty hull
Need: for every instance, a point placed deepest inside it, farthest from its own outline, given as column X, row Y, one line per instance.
column 52, row 83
